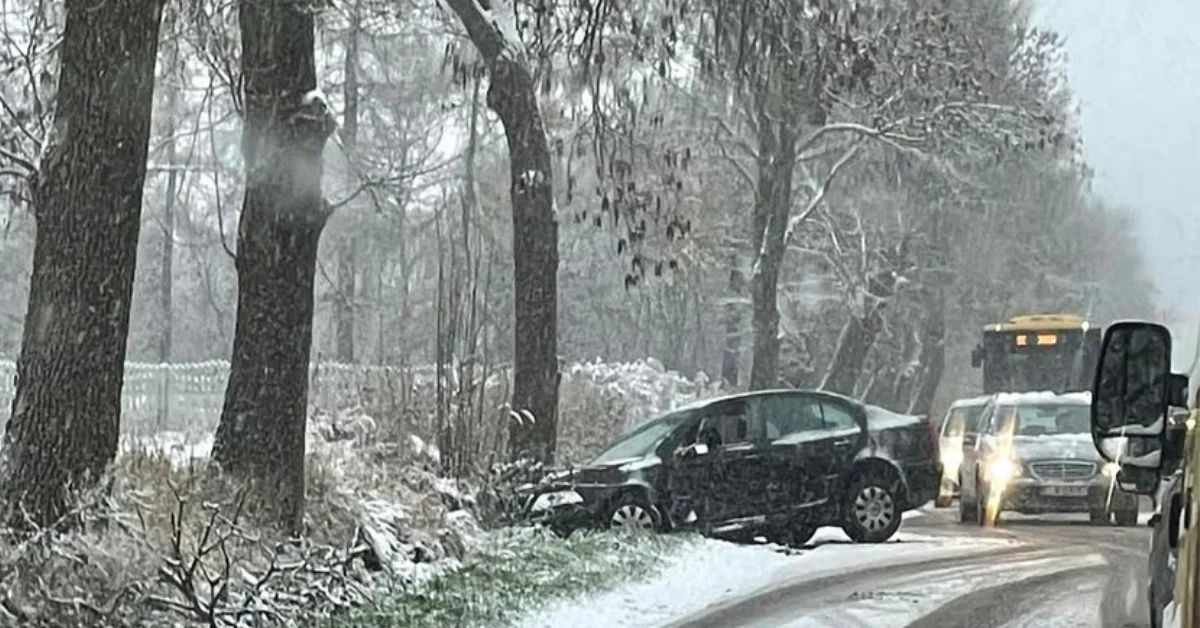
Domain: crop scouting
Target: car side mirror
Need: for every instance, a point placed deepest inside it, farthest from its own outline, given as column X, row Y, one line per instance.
column 1131, row 392
column 969, row 440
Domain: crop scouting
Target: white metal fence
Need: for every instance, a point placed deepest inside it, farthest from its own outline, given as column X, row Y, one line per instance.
column 188, row 396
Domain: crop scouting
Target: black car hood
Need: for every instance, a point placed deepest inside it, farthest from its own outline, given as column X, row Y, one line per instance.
column 614, row 472
column 1056, row 447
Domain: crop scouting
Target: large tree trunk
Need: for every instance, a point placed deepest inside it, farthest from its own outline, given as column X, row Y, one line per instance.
column 261, row 434
column 732, row 352
column 347, row 270
column 858, row 335
column 512, row 94
column 87, row 202
column 772, row 207
column 854, row 343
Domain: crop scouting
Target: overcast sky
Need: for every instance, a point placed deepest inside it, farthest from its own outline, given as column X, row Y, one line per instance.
column 1135, row 66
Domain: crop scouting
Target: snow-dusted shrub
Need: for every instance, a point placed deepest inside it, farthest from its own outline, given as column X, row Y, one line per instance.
column 175, row 544
column 598, row 401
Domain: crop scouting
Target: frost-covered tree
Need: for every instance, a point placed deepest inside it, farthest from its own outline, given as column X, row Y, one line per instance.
column 86, row 200
column 286, row 123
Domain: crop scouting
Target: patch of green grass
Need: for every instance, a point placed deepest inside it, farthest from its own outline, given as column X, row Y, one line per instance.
column 516, row 574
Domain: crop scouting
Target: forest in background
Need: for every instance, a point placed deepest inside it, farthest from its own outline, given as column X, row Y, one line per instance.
column 415, row 265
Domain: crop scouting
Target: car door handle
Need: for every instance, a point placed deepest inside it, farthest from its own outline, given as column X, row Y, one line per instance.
column 842, row 442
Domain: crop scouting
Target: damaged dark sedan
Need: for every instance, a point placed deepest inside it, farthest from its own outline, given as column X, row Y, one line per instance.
column 774, row 464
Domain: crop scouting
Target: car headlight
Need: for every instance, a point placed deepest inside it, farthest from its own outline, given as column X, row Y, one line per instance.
column 554, row 499
column 1003, row 470
column 1110, row 469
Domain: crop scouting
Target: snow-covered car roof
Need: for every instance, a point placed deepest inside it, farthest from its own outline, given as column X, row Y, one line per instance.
column 1043, row 397
column 970, row 401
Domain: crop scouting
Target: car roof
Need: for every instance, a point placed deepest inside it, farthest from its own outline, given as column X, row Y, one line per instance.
column 703, row 403
column 968, row 402
column 1043, row 397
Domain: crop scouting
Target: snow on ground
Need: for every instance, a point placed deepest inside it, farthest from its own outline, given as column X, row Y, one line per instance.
column 896, row 605
column 712, row 571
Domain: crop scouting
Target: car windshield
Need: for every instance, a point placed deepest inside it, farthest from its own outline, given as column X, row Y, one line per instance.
column 1049, row 419
column 643, row 440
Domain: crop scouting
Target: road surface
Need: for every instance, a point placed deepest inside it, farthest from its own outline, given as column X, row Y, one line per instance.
column 1057, row 571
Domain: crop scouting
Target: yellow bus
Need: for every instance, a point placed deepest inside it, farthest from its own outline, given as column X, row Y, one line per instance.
column 1134, row 393
column 1038, row 352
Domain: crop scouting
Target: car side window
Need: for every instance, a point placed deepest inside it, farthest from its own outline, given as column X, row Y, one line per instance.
column 790, row 414
column 837, row 418
column 727, row 424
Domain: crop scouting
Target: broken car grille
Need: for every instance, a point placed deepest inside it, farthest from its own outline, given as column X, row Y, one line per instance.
column 1063, row 470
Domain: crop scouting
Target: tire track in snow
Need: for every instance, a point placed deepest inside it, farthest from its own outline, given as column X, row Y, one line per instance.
column 1028, row 599
column 860, row 598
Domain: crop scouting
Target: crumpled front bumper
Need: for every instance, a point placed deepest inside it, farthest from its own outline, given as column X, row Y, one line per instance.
column 561, row 518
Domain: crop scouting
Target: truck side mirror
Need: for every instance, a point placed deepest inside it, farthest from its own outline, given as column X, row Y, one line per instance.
column 1132, row 390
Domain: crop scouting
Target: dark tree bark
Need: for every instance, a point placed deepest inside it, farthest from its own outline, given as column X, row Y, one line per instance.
column 87, row 201
column 261, row 434
column 512, row 94
column 347, row 270
column 857, row 337
column 772, row 207
column 731, row 354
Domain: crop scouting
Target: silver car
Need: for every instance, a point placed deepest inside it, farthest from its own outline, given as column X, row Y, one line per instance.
column 1034, row 455
column 959, row 428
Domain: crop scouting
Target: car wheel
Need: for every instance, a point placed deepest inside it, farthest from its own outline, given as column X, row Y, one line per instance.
column 967, row 509
column 631, row 513
column 1127, row 517
column 873, row 508
column 981, row 513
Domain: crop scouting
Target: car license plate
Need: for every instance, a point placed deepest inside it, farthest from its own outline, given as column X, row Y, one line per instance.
column 1065, row 491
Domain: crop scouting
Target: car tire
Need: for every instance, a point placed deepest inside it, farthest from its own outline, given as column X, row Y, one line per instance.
column 800, row 535
column 632, row 513
column 1098, row 517
column 873, row 507
column 981, row 496
column 968, row 509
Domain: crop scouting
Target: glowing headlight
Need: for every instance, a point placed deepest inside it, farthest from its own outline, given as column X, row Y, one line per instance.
column 546, row 501
column 1110, row 469
column 1003, row 470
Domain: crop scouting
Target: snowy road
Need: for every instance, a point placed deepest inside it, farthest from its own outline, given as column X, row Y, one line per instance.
column 1057, row 571
column 1030, row 572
